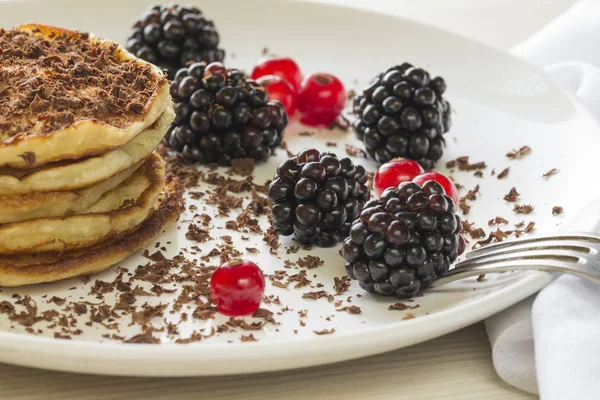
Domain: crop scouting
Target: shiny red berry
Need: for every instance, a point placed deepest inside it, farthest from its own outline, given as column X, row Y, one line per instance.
column 279, row 89
column 321, row 99
column 443, row 180
column 283, row 67
column 394, row 172
column 237, row 287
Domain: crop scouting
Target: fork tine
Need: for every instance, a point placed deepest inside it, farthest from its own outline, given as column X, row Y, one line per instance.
column 536, row 240
column 537, row 254
column 515, row 265
column 549, row 245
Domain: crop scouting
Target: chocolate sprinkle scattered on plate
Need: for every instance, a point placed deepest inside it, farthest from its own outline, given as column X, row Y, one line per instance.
column 557, row 210
column 504, row 173
column 515, row 154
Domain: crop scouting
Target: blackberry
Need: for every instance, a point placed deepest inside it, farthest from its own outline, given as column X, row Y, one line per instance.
column 220, row 115
column 402, row 113
column 403, row 241
column 316, row 195
column 171, row 36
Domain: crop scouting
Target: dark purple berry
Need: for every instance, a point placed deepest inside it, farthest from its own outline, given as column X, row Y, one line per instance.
column 326, row 193
column 174, row 36
column 402, row 113
column 403, row 241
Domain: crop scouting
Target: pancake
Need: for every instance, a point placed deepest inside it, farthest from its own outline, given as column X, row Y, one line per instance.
column 45, row 267
column 24, row 207
column 116, row 213
column 67, row 95
column 78, row 174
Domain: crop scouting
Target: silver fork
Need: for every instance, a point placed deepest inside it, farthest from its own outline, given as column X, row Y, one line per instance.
column 570, row 253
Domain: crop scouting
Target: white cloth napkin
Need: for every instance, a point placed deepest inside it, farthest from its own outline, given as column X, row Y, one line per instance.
column 550, row 343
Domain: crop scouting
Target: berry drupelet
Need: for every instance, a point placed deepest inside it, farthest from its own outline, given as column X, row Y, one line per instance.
column 402, row 113
column 220, row 115
column 316, row 195
column 171, row 36
column 403, row 241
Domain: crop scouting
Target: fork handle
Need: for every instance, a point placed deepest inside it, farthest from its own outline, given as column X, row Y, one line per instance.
column 467, row 268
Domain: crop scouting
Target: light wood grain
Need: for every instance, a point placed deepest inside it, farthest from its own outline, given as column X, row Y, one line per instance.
column 456, row 366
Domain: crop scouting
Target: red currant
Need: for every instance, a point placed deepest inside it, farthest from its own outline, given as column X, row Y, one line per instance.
column 321, row 99
column 443, row 180
column 283, row 67
column 394, row 172
column 280, row 89
column 237, row 287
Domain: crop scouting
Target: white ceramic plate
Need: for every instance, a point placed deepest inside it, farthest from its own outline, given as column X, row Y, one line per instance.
column 500, row 103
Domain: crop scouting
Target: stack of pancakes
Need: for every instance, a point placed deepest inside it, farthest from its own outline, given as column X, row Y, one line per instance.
column 81, row 187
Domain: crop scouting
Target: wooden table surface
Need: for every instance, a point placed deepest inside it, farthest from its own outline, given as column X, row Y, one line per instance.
column 456, row 366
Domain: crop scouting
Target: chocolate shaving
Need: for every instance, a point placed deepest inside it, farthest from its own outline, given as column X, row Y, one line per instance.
column 280, row 284
column 143, row 338
column 57, row 300
column 248, row 338
column 309, row 262
column 497, row 221
column 400, row 306
column 292, row 250
column 58, row 335
column 317, row 295
column 145, row 316
column 516, row 154
column 156, row 256
column 197, row 234
column 463, row 164
column 512, row 195
column 325, row 331
column 529, row 227
column 471, row 196
column 204, row 313
column 341, row 285
column 523, row 209
column 350, row 309
column 300, row 278
column 497, row 235
column 470, row 229
column 227, row 239
column 272, row 239
column 548, row 174
column 557, row 210
column 194, row 337
column 504, row 173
